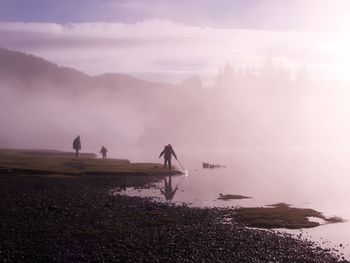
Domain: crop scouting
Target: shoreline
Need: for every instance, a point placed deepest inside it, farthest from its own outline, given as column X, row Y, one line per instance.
column 47, row 218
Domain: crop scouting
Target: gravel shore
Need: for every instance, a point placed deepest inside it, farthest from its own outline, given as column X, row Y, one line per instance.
column 75, row 219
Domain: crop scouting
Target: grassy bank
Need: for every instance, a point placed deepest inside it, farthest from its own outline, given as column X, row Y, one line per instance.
column 280, row 216
column 58, row 162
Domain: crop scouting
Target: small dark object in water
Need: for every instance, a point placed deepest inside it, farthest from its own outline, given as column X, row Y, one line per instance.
column 232, row 197
column 212, row 166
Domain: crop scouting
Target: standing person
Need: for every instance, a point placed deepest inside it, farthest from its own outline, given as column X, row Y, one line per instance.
column 104, row 152
column 77, row 146
column 168, row 152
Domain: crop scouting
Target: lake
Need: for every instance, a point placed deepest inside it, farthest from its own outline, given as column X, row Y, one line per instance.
column 316, row 178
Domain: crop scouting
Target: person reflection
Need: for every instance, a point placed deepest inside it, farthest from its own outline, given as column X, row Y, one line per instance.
column 168, row 191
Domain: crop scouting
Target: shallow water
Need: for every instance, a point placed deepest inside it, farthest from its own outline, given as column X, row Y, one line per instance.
column 310, row 178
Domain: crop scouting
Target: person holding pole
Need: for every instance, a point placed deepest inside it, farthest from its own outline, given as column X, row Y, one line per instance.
column 168, row 152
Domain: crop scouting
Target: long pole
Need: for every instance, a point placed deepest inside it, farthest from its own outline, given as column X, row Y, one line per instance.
column 179, row 183
column 181, row 165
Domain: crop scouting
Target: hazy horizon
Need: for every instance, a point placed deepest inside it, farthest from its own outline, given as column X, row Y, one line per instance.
column 168, row 41
column 247, row 73
column 258, row 89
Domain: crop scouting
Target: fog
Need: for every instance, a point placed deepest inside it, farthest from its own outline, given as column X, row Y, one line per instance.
column 253, row 107
column 282, row 135
column 51, row 120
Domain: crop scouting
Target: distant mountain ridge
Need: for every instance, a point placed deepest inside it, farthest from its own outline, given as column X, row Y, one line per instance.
column 28, row 68
column 36, row 73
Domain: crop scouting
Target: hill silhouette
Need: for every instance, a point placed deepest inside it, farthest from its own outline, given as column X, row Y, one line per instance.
column 44, row 105
column 140, row 112
column 32, row 72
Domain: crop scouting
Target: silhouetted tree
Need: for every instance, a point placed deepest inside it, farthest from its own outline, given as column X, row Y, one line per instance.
column 193, row 81
column 268, row 67
column 301, row 76
column 225, row 77
column 281, row 74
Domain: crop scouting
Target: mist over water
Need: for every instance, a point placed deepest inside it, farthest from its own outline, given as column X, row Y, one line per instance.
column 282, row 139
column 291, row 128
column 259, row 88
column 302, row 177
column 239, row 110
column 47, row 120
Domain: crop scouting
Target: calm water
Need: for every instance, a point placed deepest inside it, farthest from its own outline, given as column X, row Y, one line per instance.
column 310, row 178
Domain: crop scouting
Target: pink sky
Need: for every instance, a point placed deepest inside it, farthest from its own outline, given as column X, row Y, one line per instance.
column 167, row 40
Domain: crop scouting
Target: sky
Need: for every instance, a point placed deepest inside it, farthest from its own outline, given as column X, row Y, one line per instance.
column 167, row 40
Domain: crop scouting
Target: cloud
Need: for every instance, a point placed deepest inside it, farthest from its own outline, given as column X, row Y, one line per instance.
column 158, row 46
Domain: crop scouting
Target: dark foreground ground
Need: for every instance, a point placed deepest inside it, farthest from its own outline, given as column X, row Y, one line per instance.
column 73, row 219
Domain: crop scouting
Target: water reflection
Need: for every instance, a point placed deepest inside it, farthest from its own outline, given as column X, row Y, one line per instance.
column 304, row 178
column 168, row 190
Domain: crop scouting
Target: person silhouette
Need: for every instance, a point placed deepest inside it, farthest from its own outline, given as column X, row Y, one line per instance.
column 168, row 191
column 77, row 145
column 168, row 152
column 104, row 152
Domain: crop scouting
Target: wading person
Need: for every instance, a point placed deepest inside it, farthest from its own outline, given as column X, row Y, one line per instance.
column 103, row 151
column 77, row 145
column 168, row 152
